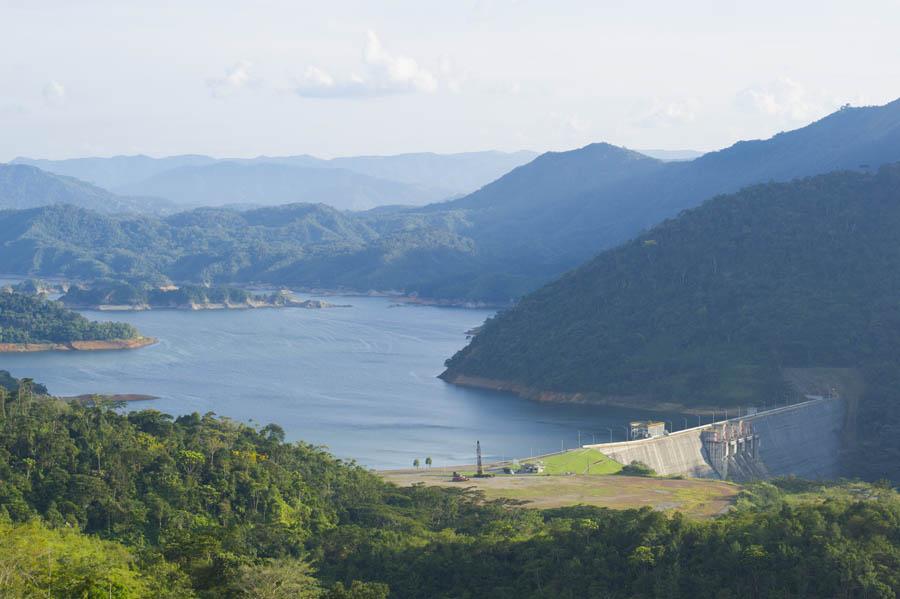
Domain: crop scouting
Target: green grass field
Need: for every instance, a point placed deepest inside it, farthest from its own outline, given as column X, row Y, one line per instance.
column 580, row 461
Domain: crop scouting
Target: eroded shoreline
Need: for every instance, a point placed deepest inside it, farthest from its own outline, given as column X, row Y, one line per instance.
column 107, row 345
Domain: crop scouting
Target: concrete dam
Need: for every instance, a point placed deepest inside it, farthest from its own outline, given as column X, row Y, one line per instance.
column 803, row 440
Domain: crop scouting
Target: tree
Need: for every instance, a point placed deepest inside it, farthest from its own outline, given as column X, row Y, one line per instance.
column 359, row 590
column 38, row 562
column 279, row 579
column 428, row 461
column 416, row 463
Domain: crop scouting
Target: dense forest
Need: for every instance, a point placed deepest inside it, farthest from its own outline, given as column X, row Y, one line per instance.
column 31, row 319
column 709, row 307
column 496, row 244
column 98, row 503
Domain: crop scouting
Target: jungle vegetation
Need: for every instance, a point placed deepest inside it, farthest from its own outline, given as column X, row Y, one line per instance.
column 97, row 503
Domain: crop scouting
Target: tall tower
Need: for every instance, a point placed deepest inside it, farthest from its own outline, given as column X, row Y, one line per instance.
column 480, row 471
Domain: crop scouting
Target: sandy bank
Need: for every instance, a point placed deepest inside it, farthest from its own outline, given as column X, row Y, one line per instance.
column 110, row 344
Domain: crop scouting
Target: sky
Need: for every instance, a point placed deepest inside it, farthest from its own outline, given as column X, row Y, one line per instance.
column 335, row 78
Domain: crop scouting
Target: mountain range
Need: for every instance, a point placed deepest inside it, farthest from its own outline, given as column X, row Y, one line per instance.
column 494, row 245
column 356, row 182
column 23, row 186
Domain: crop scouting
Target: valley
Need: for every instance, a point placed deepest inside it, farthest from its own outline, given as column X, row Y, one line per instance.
column 404, row 300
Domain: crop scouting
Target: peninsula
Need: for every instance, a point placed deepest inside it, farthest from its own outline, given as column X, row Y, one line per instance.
column 123, row 296
column 31, row 324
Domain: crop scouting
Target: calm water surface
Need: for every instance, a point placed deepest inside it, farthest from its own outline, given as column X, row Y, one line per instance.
column 359, row 380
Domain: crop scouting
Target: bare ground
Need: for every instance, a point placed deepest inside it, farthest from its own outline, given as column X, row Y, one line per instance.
column 695, row 497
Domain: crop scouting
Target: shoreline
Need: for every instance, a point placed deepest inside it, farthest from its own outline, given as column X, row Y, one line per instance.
column 393, row 294
column 641, row 403
column 306, row 305
column 116, row 397
column 107, row 345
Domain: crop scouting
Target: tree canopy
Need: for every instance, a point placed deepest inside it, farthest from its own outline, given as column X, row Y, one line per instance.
column 31, row 319
column 94, row 502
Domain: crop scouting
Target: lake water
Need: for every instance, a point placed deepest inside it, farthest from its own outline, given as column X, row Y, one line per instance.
column 359, row 380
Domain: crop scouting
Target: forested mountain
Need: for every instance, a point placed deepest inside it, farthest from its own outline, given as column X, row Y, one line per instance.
column 95, row 502
column 29, row 319
column 553, row 213
column 707, row 309
column 23, row 186
column 495, row 245
column 371, row 180
column 301, row 244
column 269, row 184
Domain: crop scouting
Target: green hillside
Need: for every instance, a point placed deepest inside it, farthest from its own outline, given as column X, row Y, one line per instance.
column 708, row 309
column 28, row 319
column 95, row 502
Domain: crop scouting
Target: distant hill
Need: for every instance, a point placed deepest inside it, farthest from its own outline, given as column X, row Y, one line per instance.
column 304, row 244
column 708, row 308
column 413, row 179
column 269, row 184
column 23, row 186
column 495, row 245
column 114, row 171
column 456, row 174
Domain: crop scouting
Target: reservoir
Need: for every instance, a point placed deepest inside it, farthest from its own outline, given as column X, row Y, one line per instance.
column 360, row 381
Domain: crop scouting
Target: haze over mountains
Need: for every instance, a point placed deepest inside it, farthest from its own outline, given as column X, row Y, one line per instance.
column 496, row 244
column 23, row 186
column 356, row 183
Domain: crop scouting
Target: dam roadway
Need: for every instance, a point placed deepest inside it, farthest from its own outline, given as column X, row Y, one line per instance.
column 803, row 440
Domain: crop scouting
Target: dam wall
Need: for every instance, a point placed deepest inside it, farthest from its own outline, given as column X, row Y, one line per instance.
column 803, row 440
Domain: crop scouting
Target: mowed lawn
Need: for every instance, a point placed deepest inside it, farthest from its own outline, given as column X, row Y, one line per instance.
column 580, row 461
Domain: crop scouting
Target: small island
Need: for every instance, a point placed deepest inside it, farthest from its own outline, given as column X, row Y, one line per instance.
column 125, row 296
column 31, row 324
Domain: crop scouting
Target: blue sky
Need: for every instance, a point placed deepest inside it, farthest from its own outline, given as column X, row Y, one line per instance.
column 230, row 78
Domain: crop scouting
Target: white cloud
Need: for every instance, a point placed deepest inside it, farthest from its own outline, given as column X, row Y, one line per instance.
column 54, row 93
column 784, row 98
column 382, row 74
column 237, row 77
column 668, row 113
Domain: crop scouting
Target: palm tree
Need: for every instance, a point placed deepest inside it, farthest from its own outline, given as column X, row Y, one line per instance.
column 428, row 461
column 416, row 463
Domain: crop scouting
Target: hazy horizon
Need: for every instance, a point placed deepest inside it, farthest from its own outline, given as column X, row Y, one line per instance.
column 241, row 79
